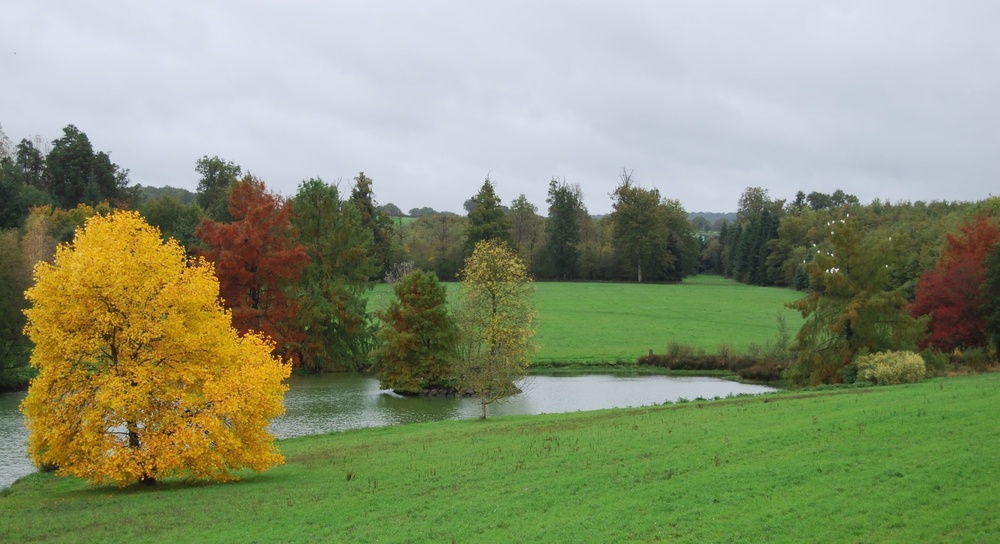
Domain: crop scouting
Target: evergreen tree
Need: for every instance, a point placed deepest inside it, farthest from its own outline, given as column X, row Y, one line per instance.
column 563, row 228
column 487, row 220
column 852, row 305
column 418, row 339
column 376, row 221
column 68, row 167
column 333, row 312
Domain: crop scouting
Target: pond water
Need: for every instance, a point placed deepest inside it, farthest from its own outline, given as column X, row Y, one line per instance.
column 323, row 404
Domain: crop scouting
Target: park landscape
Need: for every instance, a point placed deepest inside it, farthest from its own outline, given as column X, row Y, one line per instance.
column 151, row 386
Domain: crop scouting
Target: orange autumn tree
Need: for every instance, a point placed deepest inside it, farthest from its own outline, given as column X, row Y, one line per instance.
column 140, row 374
column 256, row 257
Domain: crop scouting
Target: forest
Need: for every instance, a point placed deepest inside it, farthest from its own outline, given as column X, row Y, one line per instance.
column 874, row 277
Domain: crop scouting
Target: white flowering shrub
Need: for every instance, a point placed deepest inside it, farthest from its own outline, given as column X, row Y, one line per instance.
column 891, row 367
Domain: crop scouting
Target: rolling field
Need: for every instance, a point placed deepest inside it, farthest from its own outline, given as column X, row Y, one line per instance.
column 600, row 322
column 912, row 463
column 609, row 322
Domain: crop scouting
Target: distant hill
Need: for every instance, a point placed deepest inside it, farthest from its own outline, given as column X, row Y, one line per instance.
column 155, row 193
column 712, row 217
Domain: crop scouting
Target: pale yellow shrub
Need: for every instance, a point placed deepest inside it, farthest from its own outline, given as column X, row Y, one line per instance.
column 891, row 367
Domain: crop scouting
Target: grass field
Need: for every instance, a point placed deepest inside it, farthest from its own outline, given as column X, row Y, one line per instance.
column 608, row 322
column 914, row 463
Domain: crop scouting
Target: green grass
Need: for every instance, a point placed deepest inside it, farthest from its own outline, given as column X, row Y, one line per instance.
column 608, row 322
column 914, row 463
column 597, row 322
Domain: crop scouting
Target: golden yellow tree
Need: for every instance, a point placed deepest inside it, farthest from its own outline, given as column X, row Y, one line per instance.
column 141, row 375
column 496, row 319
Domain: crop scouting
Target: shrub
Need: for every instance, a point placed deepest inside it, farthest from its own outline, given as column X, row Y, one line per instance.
column 891, row 367
column 975, row 359
column 937, row 362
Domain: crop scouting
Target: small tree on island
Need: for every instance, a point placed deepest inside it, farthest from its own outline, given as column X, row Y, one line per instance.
column 496, row 319
column 417, row 338
column 141, row 375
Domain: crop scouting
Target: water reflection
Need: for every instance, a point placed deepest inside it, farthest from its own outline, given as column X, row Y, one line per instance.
column 322, row 404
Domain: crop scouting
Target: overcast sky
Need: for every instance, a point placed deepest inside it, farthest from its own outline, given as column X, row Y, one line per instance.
column 897, row 100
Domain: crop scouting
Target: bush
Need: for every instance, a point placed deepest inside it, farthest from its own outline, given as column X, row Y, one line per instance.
column 975, row 359
column 937, row 362
column 756, row 366
column 891, row 367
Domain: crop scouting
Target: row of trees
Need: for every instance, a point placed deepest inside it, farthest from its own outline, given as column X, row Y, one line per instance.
column 299, row 268
column 65, row 173
column 143, row 374
column 646, row 237
column 877, row 277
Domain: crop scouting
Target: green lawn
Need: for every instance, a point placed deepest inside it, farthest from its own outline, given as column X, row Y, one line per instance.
column 914, row 463
column 609, row 322
column 588, row 322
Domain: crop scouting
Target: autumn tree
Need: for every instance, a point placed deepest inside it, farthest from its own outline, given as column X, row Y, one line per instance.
column 418, row 337
column 140, row 373
column 487, row 220
column 562, row 229
column 333, row 312
column 952, row 293
column 375, row 221
column 852, row 305
column 218, row 177
column 497, row 323
column 256, row 258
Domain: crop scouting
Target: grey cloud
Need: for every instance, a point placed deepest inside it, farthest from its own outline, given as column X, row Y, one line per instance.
column 890, row 100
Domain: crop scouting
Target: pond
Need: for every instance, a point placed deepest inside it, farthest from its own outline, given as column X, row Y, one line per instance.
column 323, row 404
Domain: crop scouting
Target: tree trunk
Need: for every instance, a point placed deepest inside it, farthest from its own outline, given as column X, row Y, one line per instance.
column 133, row 442
column 482, row 404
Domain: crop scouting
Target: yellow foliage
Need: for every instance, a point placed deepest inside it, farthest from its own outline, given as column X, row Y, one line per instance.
column 497, row 319
column 140, row 373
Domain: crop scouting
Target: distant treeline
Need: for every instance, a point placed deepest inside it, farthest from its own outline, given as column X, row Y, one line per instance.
column 48, row 190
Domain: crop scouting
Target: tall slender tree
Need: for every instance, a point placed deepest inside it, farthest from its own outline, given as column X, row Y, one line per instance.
column 376, row 221
column 497, row 317
column 487, row 220
column 563, row 228
column 333, row 313
column 525, row 228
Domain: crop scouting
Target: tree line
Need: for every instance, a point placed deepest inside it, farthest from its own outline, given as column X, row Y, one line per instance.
column 879, row 277
column 300, row 267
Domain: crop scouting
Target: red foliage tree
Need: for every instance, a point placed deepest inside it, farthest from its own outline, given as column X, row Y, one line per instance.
column 256, row 258
column 952, row 292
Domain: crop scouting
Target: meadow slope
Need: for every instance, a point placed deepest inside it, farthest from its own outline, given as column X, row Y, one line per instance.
column 911, row 463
